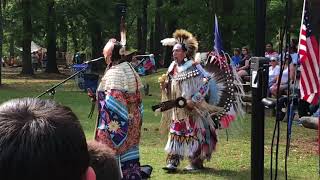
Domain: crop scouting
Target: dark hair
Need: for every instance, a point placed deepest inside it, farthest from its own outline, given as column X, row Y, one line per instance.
column 237, row 49
column 294, row 42
column 116, row 58
column 246, row 48
column 270, row 43
column 40, row 139
column 293, row 49
column 288, row 58
column 102, row 160
column 115, row 52
column 184, row 48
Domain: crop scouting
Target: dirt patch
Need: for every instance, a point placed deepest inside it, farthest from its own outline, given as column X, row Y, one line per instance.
column 307, row 146
column 15, row 73
column 302, row 145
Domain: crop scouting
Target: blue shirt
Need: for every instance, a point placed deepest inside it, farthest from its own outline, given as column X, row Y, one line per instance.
column 235, row 60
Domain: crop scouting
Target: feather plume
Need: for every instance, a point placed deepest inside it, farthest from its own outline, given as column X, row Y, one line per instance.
column 123, row 40
column 197, row 58
column 182, row 35
column 168, row 42
column 192, row 46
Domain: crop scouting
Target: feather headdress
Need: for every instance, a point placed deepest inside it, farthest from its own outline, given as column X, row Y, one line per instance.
column 186, row 39
column 110, row 46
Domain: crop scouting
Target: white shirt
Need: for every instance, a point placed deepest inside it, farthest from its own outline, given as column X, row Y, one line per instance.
column 284, row 78
column 273, row 73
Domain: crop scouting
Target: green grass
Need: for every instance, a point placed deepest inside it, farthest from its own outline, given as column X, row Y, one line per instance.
column 230, row 161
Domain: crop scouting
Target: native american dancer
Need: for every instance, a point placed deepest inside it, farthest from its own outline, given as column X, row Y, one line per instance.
column 207, row 96
column 120, row 109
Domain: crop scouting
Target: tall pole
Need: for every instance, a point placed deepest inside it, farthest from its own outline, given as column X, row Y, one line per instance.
column 257, row 115
column 1, row 41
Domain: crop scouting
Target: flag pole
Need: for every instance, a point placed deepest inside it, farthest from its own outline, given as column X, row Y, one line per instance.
column 302, row 17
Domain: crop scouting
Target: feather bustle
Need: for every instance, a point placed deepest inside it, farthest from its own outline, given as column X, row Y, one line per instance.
column 168, row 42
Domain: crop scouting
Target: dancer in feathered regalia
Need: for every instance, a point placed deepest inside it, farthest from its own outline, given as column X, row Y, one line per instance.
column 209, row 96
column 120, row 108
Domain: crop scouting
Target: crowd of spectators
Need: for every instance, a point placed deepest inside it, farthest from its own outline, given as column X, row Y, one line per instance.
column 241, row 61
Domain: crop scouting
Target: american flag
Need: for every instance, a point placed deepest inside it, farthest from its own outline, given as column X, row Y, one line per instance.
column 309, row 59
column 217, row 37
column 217, row 55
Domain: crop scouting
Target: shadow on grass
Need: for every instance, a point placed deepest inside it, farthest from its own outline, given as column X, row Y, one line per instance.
column 226, row 173
column 231, row 174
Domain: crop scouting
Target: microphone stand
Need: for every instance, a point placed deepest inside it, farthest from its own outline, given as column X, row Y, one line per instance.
column 52, row 90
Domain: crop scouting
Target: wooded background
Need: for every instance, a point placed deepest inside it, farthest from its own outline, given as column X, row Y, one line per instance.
column 85, row 25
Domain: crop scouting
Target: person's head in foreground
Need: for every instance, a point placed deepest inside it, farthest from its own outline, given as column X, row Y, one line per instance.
column 103, row 161
column 42, row 140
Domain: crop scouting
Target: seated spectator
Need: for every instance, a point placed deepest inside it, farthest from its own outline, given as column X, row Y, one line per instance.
column 270, row 52
column 42, row 140
column 244, row 64
column 274, row 70
column 236, row 58
column 284, row 79
column 103, row 161
column 135, row 62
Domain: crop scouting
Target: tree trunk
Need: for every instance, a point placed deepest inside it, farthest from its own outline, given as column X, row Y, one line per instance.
column 74, row 38
column 96, row 45
column 151, row 40
column 64, row 35
column 1, row 41
column 96, row 39
column 226, row 28
column 73, row 35
column 52, row 36
column 170, row 28
column 139, row 35
column 27, row 37
column 144, row 26
column 159, row 28
column 11, row 47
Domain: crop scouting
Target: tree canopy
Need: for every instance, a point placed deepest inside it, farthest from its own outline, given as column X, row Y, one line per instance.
column 85, row 25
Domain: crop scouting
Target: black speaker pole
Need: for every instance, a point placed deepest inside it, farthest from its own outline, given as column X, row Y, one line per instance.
column 258, row 76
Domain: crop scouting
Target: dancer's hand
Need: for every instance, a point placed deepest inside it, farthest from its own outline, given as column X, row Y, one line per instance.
column 163, row 86
column 190, row 104
column 162, row 80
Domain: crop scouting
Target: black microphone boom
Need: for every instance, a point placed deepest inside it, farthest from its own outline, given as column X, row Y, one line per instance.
column 52, row 89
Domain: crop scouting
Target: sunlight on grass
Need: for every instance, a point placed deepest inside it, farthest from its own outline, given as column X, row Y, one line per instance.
column 230, row 161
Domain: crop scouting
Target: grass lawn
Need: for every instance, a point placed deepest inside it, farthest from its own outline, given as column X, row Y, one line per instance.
column 230, row 161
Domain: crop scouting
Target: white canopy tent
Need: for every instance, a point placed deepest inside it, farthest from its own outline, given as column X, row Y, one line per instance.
column 34, row 47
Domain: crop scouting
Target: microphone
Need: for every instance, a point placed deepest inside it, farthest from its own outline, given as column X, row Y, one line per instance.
column 144, row 55
column 94, row 60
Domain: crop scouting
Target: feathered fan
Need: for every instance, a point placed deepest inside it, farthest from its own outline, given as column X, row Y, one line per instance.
column 224, row 84
column 222, row 89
